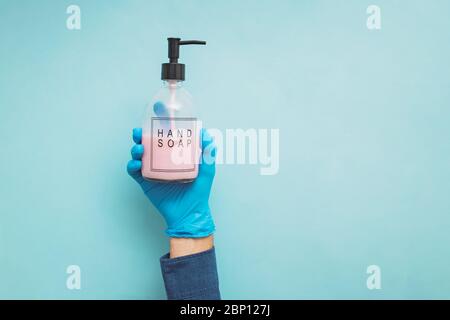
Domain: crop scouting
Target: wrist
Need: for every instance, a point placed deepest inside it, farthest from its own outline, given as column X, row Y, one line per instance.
column 186, row 246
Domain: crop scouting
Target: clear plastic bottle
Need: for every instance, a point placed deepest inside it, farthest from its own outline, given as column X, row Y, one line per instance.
column 171, row 133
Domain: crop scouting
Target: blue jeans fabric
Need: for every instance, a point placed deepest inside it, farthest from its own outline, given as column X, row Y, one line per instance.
column 192, row 277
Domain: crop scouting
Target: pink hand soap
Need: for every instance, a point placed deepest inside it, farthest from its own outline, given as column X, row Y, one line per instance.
column 171, row 134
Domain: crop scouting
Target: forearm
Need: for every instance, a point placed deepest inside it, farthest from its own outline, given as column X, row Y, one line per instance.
column 186, row 246
column 190, row 270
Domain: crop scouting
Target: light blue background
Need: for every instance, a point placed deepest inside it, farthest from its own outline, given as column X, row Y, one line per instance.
column 364, row 160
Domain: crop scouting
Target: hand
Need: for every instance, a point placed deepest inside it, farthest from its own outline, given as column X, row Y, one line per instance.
column 184, row 206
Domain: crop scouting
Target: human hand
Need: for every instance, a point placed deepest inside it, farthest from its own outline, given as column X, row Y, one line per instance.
column 184, row 206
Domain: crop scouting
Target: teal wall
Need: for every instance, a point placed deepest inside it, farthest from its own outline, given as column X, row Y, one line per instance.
column 364, row 154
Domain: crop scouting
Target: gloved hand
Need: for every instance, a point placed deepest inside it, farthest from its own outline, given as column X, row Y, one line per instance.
column 184, row 206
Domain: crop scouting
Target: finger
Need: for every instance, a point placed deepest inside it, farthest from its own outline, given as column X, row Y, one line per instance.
column 209, row 155
column 137, row 135
column 160, row 109
column 207, row 139
column 137, row 151
column 134, row 169
column 209, row 152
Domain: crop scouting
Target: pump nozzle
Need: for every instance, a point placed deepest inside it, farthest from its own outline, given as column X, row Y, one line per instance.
column 174, row 70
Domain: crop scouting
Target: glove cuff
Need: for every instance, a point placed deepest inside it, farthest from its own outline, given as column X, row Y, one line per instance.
column 195, row 225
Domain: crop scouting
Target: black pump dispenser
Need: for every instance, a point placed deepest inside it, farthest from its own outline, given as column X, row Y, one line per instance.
column 174, row 70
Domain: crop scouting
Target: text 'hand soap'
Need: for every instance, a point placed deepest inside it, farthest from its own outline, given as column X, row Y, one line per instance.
column 170, row 132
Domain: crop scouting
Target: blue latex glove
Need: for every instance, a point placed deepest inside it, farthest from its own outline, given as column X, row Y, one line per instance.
column 184, row 206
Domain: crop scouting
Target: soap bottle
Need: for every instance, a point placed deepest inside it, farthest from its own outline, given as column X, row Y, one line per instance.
column 171, row 132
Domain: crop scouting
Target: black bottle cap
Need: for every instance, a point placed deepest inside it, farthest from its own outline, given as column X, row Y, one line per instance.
column 174, row 70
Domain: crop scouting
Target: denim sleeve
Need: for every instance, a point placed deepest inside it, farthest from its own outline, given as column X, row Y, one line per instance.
column 192, row 277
